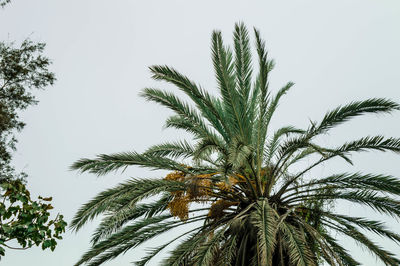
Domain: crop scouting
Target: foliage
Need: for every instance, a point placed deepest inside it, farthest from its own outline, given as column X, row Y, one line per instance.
column 26, row 221
column 257, row 205
column 22, row 220
column 4, row 2
column 21, row 70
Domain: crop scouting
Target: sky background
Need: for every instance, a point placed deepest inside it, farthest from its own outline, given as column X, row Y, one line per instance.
column 334, row 51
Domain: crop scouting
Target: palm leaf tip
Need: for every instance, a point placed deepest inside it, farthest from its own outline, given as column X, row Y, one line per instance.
column 81, row 164
column 344, row 113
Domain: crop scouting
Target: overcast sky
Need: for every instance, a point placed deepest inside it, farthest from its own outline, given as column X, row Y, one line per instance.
column 335, row 52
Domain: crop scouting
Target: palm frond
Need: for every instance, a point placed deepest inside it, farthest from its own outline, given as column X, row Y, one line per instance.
column 154, row 251
column 105, row 164
column 367, row 143
column 228, row 251
column 344, row 113
column 135, row 189
column 224, row 69
column 131, row 237
column 204, row 101
column 345, row 257
column 275, row 101
column 260, row 99
column 177, row 149
column 273, row 144
column 265, row 220
column 323, row 247
column 381, row 204
column 376, row 227
column 385, row 256
column 299, row 252
column 125, row 213
column 379, row 183
column 207, row 251
column 180, row 254
column 179, row 122
column 242, row 62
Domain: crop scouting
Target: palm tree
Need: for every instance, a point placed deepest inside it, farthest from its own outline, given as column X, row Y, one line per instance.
column 238, row 179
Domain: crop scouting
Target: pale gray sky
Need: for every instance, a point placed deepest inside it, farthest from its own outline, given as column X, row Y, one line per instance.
column 335, row 52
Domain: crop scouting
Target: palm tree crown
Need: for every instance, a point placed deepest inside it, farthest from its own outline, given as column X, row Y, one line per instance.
column 239, row 179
